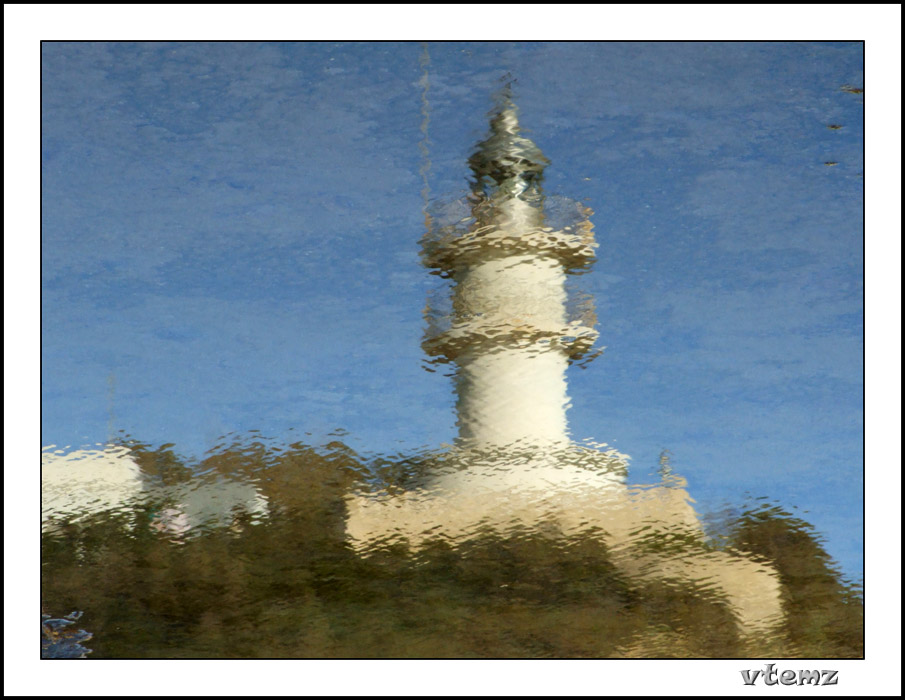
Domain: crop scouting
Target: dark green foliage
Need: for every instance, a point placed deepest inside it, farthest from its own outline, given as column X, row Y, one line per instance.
column 825, row 616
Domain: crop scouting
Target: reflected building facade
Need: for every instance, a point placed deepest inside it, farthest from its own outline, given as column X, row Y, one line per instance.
column 511, row 332
column 109, row 482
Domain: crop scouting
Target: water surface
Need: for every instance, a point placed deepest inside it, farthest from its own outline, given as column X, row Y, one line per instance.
column 231, row 248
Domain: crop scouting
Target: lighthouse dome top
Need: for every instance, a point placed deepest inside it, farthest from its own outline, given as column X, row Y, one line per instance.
column 507, row 212
column 509, row 248
column 506, row 157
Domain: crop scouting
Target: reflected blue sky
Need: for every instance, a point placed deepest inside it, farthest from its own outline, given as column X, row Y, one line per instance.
column 230, row 243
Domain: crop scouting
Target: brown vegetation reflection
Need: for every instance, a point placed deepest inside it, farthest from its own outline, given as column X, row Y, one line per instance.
column 289, row 585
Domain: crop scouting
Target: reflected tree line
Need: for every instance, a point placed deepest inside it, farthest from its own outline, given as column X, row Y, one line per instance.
column 290, row 585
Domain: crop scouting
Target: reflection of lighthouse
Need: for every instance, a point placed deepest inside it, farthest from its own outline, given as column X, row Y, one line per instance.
column 511, row 334
column 511, row 331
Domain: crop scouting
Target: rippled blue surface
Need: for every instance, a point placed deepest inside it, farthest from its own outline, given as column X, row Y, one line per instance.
column 230, row 245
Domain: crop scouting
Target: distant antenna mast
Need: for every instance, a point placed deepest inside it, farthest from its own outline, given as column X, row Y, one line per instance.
column 111, row 402
column 424, row 144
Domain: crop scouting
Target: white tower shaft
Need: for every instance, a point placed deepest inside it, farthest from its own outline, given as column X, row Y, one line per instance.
column 512, row 396
column 511, row 392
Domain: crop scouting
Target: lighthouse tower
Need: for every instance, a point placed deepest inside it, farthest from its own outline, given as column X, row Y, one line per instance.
column 509, row 333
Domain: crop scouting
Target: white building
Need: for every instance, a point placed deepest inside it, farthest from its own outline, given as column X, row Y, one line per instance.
column 107, row 480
